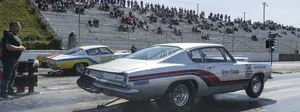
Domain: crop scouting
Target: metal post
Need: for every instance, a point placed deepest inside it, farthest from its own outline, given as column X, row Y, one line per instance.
column 128, row 40
column 264, row 9
column 181, row 38
column 223, row 38
column 244, row 16
column 232, row 42
column 79, row 27
column 271, row 56
column 296, row 44
column 197, row 9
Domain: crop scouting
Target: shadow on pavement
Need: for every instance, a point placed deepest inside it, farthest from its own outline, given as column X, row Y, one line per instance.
column 207, row 104
column 63, row 74
column 19, row 95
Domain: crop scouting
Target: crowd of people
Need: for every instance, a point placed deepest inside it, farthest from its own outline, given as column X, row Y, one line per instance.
column 171, row 16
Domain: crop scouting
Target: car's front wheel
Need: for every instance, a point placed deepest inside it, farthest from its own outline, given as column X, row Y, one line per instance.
column 180, row 96
column 255, row 86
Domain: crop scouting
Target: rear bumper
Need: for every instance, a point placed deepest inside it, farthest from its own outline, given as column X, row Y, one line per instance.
column 92, row 85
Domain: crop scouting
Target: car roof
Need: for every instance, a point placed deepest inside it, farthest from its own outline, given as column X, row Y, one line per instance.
column 188, row 46
column 91, row 46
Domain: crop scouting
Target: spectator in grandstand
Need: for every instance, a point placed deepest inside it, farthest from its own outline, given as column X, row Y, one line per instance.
column 128, row 3
column 221, row 17
column 11, row 52
column 90, row 23
column 159, row 31
column 96, row 22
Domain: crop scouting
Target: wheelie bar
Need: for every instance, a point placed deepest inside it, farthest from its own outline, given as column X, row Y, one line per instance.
column 105, row 104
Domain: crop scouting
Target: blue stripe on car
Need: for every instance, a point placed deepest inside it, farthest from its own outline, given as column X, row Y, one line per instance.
column 83, row 58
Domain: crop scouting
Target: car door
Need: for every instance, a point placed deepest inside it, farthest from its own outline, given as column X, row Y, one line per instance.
column 94, row 53
column 106, row 55
column 224, row 73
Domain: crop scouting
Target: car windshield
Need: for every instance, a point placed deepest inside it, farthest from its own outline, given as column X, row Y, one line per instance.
column 154, row 53
column 72, row 51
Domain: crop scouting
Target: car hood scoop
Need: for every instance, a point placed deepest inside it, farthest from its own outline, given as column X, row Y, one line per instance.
column 119, row 65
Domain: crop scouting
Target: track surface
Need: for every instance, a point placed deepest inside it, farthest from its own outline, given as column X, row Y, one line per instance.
column 61, row 94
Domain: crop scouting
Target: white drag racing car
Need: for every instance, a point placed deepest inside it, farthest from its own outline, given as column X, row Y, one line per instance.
column 174, row 74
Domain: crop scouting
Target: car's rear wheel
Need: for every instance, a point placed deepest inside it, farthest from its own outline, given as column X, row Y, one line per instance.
column 255, row 86
column 79, row 68
column 180, row 96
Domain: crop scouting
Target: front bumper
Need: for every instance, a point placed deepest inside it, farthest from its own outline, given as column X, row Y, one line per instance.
column 52, row 66
column 93, row 85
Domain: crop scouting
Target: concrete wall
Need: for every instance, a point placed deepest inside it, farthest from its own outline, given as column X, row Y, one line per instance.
column 254, row 57
column 289, row 57
column 257, row 56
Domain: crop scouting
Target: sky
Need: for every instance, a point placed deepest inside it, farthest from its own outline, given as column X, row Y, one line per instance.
column 280, row 11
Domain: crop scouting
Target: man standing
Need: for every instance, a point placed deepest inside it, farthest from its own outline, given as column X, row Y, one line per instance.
column 11, row 52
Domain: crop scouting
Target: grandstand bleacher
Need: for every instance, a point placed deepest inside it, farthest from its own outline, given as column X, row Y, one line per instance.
column 107, row 33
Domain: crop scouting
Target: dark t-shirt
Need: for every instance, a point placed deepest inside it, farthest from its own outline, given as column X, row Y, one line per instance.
column 10, row 38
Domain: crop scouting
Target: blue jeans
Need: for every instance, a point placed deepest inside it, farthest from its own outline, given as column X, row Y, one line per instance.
column 9, row 74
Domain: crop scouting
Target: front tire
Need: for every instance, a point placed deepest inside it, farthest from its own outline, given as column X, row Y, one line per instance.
column 180, row 96
column 255, row 87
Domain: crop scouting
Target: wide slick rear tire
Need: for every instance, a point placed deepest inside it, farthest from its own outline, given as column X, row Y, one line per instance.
column 180, row 96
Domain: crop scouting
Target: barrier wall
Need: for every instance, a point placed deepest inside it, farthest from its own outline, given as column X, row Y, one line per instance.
column 257, row 57
column 254, row 57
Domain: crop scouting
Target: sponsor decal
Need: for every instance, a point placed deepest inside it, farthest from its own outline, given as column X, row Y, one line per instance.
column 234, row 72
column 225, row 72
column 142, row 82
column 248, row 67
column 260, row 67
column 230, row 72
column 248, row 74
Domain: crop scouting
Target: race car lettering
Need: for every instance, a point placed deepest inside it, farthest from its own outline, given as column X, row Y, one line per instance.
column 248, row 74
column 230, row 72
column 234, row 72
column 248, row 67
column 225, row 72
column 260, row 67
column 105, row 59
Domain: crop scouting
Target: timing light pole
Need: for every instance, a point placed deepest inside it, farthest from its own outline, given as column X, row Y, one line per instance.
column 197, row 9
column 264, row 11
column 244, row 16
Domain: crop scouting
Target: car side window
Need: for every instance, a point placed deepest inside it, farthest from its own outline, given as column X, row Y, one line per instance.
column 195, row 56
column 104, row 51
column 228, row 58
column 213, row 55
column 93, row 52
